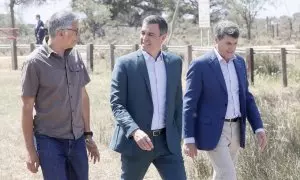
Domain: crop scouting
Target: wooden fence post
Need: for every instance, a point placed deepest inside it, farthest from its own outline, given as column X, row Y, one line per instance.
column 273, row 31
column 250, row 63
column 189, row 56
column 14, row 57
column 164, row 47
column 112, row 56
column 90, row 57
column 136, row 47
column 32, row 46
column 284, row 71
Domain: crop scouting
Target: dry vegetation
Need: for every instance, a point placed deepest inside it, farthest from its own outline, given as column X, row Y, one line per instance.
column 280, row 108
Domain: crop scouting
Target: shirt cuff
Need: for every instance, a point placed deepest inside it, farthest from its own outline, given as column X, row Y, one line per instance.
column 259, row 130
column 189, row 140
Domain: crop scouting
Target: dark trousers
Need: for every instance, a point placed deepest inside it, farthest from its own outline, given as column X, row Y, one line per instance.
column 170, row 166
column 62, row 159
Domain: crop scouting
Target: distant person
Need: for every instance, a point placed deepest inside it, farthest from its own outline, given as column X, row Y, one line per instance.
column 217, row 103
column 146, row 100
column 39, row 30
column 53, row 82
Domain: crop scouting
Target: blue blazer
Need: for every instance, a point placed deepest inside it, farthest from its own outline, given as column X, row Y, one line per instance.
column 205, row 101
column 132, row 106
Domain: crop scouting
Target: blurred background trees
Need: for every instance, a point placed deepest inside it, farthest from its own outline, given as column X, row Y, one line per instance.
column 100, row 19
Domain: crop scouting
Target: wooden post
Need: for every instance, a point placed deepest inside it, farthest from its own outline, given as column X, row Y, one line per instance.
column 284, row 72
column 164, row 47
column 273, row 29
column 250, row 63
column 189, row 54
column 277, row 30
column 14, row 57
column 267, row 21
column 32, row 47
column 90, row 57
column 136, row 47
column 208, row 37
column 201, row 37
column 112, row 56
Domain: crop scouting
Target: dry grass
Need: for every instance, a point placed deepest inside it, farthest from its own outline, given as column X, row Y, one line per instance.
column 280, row 108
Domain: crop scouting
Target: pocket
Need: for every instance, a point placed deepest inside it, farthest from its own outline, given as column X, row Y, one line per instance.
column 76, row 70
column 116, row 136
column 75, row 67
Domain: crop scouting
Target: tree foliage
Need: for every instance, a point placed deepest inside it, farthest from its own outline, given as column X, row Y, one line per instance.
column 218, row 9
column 96, row 16
column 133, row 11
column 247, row 10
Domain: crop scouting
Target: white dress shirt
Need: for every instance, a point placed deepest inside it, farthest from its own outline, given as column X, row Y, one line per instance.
column 158, row 84
column 232, row 86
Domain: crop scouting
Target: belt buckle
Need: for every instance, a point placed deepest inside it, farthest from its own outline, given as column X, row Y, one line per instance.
column 156, row 133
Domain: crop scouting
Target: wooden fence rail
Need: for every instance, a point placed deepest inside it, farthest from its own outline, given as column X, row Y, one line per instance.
column 248, row 52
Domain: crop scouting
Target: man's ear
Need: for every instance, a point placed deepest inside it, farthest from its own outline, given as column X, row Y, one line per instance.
column 164, row 37
column 216, row 40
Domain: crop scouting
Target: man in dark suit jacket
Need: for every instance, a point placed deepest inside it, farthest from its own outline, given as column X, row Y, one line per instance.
column 39, row 30
column 217, row 102
column 146, row 100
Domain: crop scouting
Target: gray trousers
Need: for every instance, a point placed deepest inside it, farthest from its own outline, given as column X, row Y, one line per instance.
column 170, row 166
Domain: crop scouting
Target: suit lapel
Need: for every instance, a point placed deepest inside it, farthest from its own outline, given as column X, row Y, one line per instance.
column 239, row 71
column 215, row 65
column 238, row 68
column 143, row 70
column 168, row 77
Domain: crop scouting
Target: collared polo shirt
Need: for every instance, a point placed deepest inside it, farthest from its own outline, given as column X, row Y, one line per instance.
column 56, row 83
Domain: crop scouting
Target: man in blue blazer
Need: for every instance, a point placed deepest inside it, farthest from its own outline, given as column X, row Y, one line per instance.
column 146, row 100
column 217, row 102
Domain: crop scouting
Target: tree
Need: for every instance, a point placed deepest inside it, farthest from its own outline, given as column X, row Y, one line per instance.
column 133, row 11
column 247, row 10
column 96, row 15
column 12, row 4
column 190, row 7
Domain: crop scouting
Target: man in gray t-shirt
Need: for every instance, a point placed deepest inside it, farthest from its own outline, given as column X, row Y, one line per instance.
column 53, row 82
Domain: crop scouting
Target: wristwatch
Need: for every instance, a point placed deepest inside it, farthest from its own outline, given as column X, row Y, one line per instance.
column 88, row 133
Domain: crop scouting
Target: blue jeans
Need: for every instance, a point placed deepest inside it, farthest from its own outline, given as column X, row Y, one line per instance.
column 62, row 159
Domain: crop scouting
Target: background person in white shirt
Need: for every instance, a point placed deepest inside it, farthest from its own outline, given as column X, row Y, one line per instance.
column 217, row 102
column 146, row 100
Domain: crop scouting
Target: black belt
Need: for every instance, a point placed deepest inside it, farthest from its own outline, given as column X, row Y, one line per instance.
column 158, row 132
column 233, row 119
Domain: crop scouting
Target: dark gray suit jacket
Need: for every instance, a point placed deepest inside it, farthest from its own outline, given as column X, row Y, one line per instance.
column 132, row 106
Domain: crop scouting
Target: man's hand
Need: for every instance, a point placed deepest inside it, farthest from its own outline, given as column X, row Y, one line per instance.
column 92, row 149
column 190, row 149
column 261, row 140
column 33, row 162
column 143, row 140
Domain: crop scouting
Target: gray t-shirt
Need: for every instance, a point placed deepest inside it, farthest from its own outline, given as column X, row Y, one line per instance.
column 56, row 83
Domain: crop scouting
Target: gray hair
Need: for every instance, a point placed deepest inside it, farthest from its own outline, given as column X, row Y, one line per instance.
column 228, row 28
column 155, row 19
column 60, row 20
